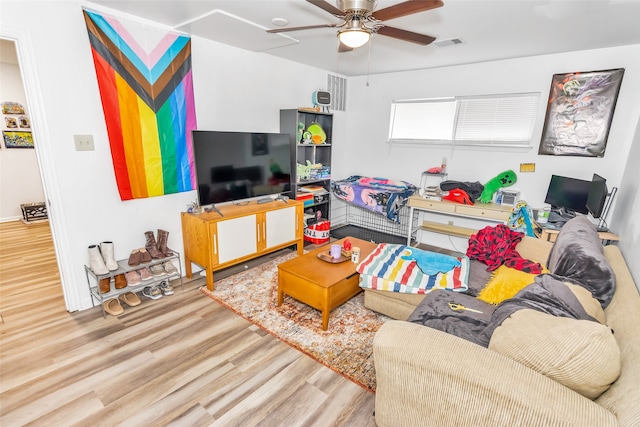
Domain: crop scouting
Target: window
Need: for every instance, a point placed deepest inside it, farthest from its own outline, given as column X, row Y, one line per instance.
column 494, row 120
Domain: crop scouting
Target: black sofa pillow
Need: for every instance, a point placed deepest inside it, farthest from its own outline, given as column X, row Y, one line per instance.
column 578, row 255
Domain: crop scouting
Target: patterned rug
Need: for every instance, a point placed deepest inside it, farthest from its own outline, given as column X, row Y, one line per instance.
column 346, row 347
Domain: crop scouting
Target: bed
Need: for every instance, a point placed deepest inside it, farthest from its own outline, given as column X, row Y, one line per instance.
column 379, row 195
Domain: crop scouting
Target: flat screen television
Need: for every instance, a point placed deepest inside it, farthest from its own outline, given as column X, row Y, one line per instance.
column 597, row 195
column 233, row 166
column 568, row 195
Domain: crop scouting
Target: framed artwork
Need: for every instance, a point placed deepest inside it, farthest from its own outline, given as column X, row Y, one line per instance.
column 10, row 122
column 259, row 145
column 579, row 113
column 17, row 139
column 9, row 107
column 24, row 123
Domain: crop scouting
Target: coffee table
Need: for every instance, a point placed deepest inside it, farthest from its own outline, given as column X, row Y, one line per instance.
column 320, row 284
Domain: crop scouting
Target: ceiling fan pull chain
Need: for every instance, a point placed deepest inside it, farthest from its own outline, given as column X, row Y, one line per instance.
column 369, row 61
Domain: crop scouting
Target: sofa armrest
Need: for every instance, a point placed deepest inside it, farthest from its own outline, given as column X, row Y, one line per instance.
column 428, row 377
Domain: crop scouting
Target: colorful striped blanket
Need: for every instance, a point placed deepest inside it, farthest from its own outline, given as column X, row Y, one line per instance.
column 385, row 270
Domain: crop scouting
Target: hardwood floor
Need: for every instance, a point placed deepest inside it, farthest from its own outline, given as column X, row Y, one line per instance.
column 182, row 360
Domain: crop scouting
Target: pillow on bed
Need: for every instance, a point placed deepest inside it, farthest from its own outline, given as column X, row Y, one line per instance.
column 579, row 354
column 578, row 254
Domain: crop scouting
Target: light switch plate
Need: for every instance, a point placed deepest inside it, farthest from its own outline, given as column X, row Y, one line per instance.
column 83, row 142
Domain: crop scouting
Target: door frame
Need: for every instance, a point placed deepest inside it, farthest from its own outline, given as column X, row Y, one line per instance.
column 43, row 148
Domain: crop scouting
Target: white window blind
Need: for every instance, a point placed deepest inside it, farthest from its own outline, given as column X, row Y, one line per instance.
column 495, row 120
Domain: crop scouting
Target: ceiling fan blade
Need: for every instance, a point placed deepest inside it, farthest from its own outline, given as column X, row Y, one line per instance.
column 327, row 7
column 405, row 8
column 344, row 48
column 308, row 27
column 408, row 36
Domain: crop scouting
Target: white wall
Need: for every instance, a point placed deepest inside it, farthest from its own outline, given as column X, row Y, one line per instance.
column 234, row 90
column 368, row 119
column 20, row 180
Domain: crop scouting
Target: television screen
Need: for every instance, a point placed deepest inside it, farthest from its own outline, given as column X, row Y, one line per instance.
column 232, row 166
column 568, row 194
column 597, row 195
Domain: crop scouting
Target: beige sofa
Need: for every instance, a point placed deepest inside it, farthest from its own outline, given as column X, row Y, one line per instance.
column 428, row 377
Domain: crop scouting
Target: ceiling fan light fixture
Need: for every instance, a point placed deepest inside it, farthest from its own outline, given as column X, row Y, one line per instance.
column 354, row 37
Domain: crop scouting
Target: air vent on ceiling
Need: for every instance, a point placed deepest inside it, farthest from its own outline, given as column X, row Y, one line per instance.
column 450, row 42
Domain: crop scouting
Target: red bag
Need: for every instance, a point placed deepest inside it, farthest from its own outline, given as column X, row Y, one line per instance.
column 318, row 232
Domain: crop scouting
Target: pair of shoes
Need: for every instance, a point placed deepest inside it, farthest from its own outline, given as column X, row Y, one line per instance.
column 157, row 270
column 166, row 287
column 152, row 292
column 170, row 269
column 139, row 256
column 113, row 307
column 101, row 258
column 158, row 249
column 130, row 298
column 136, row 277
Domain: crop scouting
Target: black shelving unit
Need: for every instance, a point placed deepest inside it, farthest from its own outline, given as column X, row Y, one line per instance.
column 295, row 122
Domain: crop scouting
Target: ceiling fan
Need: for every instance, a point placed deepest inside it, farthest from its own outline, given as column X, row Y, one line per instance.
column 360, row 20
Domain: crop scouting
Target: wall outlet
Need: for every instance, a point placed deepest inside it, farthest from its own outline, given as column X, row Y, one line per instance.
column 83, row 142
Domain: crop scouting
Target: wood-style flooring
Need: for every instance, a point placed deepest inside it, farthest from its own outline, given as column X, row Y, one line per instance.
column 182, row 360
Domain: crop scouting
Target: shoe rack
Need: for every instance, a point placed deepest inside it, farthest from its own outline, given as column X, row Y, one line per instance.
column 93, row 280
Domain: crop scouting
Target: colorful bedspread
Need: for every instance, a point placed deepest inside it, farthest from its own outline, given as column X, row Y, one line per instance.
column 383, row 196
column 386, row 270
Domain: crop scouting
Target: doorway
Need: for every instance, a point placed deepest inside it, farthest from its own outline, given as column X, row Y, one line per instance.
column 12, row 42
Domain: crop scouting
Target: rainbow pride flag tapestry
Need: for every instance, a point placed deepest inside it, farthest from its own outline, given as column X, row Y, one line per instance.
column 146, row 87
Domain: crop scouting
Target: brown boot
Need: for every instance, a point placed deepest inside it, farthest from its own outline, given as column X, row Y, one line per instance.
column 163, row 237
column 151, row 246
column 135, row 258
column 105, row 285
column 121, row 282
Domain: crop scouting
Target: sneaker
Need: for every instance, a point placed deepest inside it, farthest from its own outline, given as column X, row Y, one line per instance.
column 157, row 270
column 145, row 274
column 132, row 278
column 152, row 292
column 166, row 287
column 169, row 268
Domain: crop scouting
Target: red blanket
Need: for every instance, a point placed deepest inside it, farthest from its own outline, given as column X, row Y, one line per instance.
column 495, row 246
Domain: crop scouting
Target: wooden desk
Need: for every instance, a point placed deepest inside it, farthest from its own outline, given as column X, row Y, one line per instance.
column 550, row 234
column 489, row 212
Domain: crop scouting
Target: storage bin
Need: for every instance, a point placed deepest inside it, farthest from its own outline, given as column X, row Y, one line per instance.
column 318, row 233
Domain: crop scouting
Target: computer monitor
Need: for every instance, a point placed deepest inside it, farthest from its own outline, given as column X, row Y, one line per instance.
column 597, row 195
column 568, row 195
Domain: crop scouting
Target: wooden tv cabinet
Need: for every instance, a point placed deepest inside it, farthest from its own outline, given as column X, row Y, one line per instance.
column 244, row 232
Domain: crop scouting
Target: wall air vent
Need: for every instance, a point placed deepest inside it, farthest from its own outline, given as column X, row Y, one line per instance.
column 450, row 42
column 338, row 88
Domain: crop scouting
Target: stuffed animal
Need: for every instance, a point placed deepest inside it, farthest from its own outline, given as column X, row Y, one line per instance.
column 505, row 179
column 431, row 263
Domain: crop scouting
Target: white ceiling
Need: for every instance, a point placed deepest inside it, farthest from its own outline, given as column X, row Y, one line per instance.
column 489, row 29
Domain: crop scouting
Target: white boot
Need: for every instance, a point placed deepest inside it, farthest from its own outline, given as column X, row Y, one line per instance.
column 107, row 254
column 96, row 262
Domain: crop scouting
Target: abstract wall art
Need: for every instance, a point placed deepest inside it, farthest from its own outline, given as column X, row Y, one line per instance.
column 579, row 113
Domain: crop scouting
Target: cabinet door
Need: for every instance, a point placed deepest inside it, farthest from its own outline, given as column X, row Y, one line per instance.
column 280, row 226
column 237, row 238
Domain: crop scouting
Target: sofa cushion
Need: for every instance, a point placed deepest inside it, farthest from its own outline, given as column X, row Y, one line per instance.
column 582, row 355
column 578, row 255
column 589, row 303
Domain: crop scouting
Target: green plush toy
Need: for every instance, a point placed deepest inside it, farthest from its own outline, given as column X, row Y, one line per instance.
column 505, row 179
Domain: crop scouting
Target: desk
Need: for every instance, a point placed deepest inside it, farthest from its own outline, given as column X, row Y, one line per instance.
column 550, row 234
column 489, row 212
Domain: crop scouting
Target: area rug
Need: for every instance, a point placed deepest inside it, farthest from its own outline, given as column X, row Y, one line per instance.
column 346, row 347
